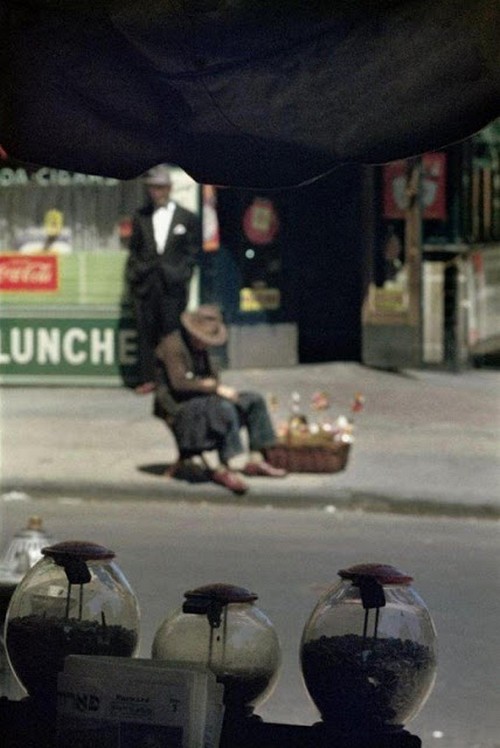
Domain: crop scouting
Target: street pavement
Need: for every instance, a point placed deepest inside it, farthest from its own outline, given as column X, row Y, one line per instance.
column 426, row 442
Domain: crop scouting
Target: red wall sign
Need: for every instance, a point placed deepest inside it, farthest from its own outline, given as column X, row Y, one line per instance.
column 260, row 221
column 433, row 188
column 29, row 273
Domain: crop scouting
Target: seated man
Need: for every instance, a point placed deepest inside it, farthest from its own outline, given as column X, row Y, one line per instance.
column 204, row 414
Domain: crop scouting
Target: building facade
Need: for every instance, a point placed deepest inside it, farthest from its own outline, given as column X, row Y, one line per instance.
column 394, row 266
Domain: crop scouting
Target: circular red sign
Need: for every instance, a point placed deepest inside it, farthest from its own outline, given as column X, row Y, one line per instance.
column 260, row 221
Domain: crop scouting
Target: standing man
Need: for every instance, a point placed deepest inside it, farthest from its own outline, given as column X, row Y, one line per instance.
column 163, row 247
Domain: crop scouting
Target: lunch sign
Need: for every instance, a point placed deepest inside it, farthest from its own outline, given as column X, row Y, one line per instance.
column 61, row 350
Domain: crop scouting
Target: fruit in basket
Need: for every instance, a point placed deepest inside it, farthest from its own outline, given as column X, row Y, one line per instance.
column 298, row 423
column 320, row 401
column 358, row 403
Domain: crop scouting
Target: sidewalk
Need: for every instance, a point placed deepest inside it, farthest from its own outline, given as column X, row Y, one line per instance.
column 425, row 442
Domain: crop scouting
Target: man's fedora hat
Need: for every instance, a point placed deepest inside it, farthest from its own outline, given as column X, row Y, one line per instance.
column 158, row 176
column 206, row 325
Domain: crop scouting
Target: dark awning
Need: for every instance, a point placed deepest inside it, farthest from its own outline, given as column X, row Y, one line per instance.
column 239, row 93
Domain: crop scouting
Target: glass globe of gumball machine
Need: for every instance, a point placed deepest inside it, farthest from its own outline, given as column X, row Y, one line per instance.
column 368, row 652
column 75, row 600
column 220, row 627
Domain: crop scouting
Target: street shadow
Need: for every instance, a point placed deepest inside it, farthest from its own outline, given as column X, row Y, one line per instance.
column 189, row 473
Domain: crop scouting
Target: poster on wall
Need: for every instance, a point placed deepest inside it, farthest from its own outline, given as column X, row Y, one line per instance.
column 433, row 185
column 260, row 256
column 29, row 274
column 50, row 237
column 259, row 299
column 260, row 221
column 389, row 300
column 210, row 223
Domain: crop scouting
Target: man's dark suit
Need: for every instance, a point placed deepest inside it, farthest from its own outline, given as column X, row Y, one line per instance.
column 158, row 282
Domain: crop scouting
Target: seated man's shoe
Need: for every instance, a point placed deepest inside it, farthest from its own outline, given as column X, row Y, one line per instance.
column 263, row 469
column 187, row 469
column 230, row 480
column 145, row 388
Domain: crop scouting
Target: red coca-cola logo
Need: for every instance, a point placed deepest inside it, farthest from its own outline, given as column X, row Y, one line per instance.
column 23, row 273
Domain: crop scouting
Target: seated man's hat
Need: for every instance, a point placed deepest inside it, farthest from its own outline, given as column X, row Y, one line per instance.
column 206, row 325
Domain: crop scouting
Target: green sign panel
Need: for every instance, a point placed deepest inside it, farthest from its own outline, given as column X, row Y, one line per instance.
column 68, row 350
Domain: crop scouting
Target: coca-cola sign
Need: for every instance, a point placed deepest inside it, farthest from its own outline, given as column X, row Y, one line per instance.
column 28, row 273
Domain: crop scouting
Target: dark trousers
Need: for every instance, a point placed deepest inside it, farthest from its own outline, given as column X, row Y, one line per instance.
column 250, row 411
column 157, row 313
column 209, row 422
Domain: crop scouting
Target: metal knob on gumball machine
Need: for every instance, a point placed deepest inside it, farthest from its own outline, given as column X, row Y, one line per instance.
column 220, row 627
column 368, row 652
column 75, row 600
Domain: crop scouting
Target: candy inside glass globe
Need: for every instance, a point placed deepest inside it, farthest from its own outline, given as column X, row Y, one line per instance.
column 75, row 600
column 368, row 650
column 220, row 627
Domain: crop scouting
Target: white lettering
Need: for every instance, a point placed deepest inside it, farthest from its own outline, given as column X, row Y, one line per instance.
column 79, row 179
column 45, row 177
column 22, row 346
column 25, row 271
column 71, row 355
column 102, row 345
column 53, row 346
column 4, row 357
column 127, row 347
column 42, row 176
column 6, row 177
column 10, row 177
column 62, row 178
column 48, row 346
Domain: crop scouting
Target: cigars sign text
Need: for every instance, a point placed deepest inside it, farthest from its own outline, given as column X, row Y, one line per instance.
column 29, row 273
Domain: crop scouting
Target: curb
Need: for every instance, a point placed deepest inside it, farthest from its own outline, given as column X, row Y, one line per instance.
column 258, row 496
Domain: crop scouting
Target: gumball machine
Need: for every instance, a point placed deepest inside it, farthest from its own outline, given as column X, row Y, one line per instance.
column 74, row 600
column 220, row 627
column 368, row 652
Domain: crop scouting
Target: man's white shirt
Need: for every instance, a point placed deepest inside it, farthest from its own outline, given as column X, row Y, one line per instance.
column 162, row 220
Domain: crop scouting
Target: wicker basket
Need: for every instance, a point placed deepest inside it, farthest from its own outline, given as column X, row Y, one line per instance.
column 304, row 458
